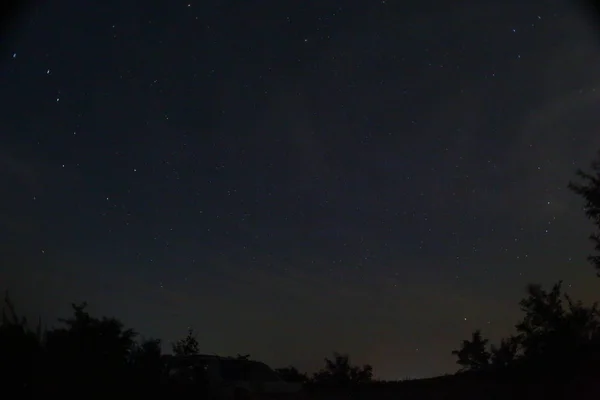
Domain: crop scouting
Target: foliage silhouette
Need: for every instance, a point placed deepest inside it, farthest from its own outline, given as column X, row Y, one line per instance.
column 556, row 335
column 86, row 348
column 505, row 354
column 186, row 372
column 188, row 346
column 339, row 372
column 84, row 352
column 17, row 343
column 589, row 190
column 472, row 355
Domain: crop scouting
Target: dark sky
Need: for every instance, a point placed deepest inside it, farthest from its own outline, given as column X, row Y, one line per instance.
column 292, row 178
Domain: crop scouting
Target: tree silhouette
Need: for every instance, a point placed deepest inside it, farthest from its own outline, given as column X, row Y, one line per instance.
column 188, row 346
column 506, row 353
column 88, row 350
column 589, row 190
column 556, row 329
column 20, row 350
column 86, row 354
column 543, row 314
column 339, row 372
column 473, row 355
column 556, row 336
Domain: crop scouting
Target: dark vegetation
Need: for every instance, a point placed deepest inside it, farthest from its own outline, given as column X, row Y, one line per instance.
column 553, row 353
column 556, row 343
column 100, row 353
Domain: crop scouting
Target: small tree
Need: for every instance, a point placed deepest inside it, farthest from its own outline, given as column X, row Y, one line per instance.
column 188, row 372
column 543, row 314
column 473, row 355
column 188, row 346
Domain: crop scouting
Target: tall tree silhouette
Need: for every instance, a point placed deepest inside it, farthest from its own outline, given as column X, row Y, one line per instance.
column 473, row 354
column 589, row 190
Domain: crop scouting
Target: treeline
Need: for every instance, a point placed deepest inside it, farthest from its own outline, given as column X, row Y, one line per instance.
column 558, row 338
column 92, row 352
column 557, row 335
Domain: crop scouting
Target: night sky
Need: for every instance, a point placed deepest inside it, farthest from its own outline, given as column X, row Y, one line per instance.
column 293, row 178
